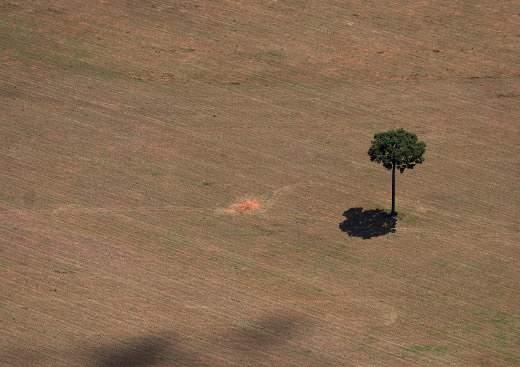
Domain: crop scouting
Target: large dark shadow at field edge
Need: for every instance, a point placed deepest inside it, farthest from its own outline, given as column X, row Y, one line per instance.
column 245, row 340
column 367, row 223
column 143, row 352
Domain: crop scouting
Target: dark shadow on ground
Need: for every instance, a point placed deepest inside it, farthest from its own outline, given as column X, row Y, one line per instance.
column 367, row 223
column 143, row 352
column 244, row 342
column 264, row 333
column 139, row 352
column 249, row 344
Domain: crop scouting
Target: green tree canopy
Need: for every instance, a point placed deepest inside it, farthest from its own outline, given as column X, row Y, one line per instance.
column 398, row 148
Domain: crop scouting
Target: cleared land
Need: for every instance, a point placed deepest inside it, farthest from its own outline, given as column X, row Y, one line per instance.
column 173, row 175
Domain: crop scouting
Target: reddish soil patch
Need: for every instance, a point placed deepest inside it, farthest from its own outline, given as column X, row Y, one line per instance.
column 244, row 207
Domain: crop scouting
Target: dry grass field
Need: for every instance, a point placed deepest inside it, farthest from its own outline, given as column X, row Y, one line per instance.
column 174, row 173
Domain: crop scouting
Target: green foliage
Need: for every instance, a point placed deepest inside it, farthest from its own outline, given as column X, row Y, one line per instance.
column 397, row 147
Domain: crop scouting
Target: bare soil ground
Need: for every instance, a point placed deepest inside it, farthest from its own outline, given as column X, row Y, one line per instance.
column 130, row 128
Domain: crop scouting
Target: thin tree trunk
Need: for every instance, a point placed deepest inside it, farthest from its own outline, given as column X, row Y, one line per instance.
column 393, row 212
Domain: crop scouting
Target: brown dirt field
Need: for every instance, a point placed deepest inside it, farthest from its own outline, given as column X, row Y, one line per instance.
column 126, row 125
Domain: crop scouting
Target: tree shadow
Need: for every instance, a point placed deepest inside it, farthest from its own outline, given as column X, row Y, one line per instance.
column 367, row 223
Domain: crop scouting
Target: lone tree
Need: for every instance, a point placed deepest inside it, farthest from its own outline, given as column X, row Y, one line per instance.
column 396, row 149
